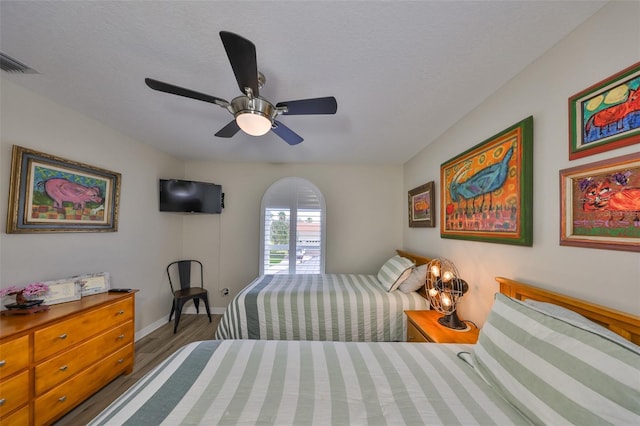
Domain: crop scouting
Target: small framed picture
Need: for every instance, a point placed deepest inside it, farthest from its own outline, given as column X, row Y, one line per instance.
column 606, row 115
column 422, row 206
column 600, row 204
column 60, row 291
column 94, row 283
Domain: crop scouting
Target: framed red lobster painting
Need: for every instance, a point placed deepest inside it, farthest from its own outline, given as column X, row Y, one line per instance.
column 605, row 116
column 52, row 194
column 487, row 191
column 600, row 204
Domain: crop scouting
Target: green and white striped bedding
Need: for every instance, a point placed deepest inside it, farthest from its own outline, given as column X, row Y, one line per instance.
column 305, row 382
column 556, row 370
column 336, row 307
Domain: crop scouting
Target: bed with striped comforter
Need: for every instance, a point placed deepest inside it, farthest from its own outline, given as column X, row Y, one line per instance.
column 308, row 382
column 533, row 364
column 335, row 307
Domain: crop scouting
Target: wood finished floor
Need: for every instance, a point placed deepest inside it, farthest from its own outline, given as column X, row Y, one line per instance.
column 149, row 352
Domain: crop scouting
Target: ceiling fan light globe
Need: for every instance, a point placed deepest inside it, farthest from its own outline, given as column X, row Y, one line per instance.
column 254, row 115
column 253, row 124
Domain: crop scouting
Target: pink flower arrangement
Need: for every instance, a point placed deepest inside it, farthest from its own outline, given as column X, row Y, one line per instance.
column 29, row 290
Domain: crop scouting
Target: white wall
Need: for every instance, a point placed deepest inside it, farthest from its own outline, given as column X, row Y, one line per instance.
column 146, row 240
column 364, row 218
column 604, row 45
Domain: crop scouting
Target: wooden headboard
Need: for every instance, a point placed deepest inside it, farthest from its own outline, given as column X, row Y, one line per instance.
column 624, row 324
column 417, row 259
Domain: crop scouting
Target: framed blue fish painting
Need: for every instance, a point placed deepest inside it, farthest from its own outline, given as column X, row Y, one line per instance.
column 487, row 191
column 606, row 115
column 52, row 194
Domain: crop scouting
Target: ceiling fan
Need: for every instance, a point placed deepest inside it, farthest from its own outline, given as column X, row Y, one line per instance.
column 252, row 113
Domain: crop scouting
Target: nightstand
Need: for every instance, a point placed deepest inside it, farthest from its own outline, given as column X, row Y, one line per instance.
column 423, row 326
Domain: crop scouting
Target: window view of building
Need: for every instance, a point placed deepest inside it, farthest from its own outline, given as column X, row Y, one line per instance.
column 292, row 228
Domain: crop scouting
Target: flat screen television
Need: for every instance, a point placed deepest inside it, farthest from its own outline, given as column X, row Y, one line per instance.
column 188, row 196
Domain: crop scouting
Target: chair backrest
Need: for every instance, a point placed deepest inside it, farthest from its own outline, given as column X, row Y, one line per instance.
column 184, row 269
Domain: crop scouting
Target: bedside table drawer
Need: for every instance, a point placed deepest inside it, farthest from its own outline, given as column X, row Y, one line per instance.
column 413, row 335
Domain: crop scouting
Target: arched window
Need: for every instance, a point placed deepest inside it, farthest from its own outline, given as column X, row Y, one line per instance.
column 292, row 228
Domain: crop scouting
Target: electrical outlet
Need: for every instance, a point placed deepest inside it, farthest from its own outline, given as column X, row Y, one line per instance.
column 225, row 291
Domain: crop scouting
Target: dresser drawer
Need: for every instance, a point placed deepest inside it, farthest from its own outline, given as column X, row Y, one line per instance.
column 64, row 397
column 54, row 371
column 65, row 334
column 14, row 356
column 413, row 335
column 14, row 392
column 19, row 418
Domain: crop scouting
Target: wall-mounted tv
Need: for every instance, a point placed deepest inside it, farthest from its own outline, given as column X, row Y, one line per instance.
column 188, row 196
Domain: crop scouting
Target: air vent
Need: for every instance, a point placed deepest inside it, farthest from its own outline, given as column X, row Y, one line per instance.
column 9, row 64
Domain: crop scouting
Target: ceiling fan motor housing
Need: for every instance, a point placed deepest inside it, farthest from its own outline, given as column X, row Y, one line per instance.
column 256, row 105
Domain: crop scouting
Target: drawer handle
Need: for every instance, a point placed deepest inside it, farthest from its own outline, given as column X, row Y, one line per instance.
column 121, row 360
column 63, row 336
column 2, row 362
column 121, row 312
column 62, row 398
column 64, row 368
column 2, row 401
column 120, row 337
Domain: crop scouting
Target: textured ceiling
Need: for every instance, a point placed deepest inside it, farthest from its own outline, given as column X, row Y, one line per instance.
column 403, row 72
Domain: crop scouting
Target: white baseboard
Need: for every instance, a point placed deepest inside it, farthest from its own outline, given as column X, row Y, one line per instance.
column 162, row 321
column 151, row 328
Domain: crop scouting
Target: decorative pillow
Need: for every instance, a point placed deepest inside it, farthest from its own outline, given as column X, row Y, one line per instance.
column 415, row 281
column 394, row 272
column 555, row 372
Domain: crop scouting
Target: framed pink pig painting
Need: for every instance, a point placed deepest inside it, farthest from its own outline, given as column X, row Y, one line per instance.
column 53, row 194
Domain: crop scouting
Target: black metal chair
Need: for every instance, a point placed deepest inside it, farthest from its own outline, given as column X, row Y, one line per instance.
column 186, row 291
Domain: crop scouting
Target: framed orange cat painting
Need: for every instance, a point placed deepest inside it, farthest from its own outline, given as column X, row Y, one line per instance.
column 606, row 115
column 600, row 204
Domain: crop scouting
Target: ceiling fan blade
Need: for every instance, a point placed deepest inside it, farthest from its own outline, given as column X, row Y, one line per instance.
column 229, row 130
column 242, row 55
column 326, row 105
column 289, row 136
column 181, row 91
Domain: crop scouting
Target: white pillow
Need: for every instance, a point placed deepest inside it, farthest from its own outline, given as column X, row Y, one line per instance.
column 415, row 281
column 394, row 272
column 555, row 372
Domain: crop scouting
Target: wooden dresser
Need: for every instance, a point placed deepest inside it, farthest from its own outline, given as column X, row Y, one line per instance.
column 52, row 361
